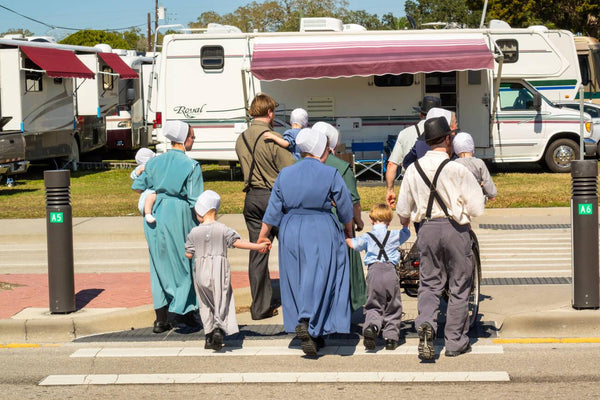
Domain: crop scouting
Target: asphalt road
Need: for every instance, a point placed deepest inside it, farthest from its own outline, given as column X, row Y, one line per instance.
column 538, row 371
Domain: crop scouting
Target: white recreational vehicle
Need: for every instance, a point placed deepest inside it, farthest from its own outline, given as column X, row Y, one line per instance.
column 366, row 83
column 588, row 52
column 129, row 128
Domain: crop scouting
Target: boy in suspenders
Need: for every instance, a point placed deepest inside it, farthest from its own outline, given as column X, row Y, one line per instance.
column 383, row 309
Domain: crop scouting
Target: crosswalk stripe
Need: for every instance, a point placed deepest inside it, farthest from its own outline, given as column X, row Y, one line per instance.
column 258, row 351
column 277, row 377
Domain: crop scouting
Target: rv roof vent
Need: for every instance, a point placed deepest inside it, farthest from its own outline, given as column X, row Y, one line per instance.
column 103, row 47
column 354, row 28
column 538, row 28
column 218, row 28
column 498, row 24
column 321, row 25
column 43, row 39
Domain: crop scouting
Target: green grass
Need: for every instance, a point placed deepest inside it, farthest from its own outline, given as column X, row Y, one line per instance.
column 108, row 193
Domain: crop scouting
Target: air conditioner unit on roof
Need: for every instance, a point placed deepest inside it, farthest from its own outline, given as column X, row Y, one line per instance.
column 321, row 25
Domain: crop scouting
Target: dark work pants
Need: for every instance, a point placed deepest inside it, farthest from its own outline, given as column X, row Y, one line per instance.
column 446, row 255
column 255, row 205
column 384, row 305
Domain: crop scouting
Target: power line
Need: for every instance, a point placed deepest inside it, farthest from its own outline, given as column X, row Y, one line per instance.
column 64, row 27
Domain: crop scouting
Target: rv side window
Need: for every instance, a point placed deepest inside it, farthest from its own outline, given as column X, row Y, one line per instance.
column 393, row 80
column 510, row 49
column 212, row 57
column 33, row 80
column 107, row 78
column 514, row 96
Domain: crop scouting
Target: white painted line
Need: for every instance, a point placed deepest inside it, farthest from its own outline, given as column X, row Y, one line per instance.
column 124, row 352
column 277, row 377
column 527, row 271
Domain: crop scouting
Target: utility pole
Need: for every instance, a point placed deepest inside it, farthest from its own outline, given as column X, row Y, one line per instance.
column 149, row 33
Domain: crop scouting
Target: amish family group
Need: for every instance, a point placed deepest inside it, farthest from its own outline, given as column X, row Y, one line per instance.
column 297, row 190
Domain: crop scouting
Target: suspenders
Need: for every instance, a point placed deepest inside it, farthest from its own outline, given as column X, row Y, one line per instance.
column 253, row 164
column 381, row 246
column 433, row 194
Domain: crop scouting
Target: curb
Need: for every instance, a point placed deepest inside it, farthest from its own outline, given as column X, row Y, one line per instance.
column 552, row 324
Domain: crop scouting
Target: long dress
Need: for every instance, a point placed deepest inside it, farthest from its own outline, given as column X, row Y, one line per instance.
column 212, row 275
column 313, row 260
column 358, row 284
column 177, row 181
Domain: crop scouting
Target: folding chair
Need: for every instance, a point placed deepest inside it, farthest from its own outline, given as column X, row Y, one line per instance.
column 375, row 165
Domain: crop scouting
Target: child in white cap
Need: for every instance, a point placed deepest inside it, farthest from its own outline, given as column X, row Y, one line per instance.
column 208, row 242
column 298, row 120
column 464, row 147
column 148, row 196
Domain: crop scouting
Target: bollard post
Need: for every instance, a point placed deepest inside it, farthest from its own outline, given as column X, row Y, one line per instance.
column 584, row 234
column 59, row 231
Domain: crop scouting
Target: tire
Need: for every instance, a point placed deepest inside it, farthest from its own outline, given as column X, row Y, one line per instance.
column 559, row 155
column 476, row 283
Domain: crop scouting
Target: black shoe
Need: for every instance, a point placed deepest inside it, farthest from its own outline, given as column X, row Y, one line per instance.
column 467, row 349
column 309, row 345
column 320, row 342
column 370, row 335
column 208, row 344
column 391, row 344
column 271, row 313
column 426, row 338
column 217, row 338
column 161, row 326
column 191, row 319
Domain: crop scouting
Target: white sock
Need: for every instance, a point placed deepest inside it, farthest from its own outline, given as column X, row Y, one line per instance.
column 150, row 218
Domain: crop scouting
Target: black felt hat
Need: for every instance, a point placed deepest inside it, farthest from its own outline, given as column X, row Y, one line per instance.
column 428, row 103
column 436, row 128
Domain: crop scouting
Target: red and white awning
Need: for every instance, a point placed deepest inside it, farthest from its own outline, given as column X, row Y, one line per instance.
column 58, row 63
column 334, row 56
column 118, row 65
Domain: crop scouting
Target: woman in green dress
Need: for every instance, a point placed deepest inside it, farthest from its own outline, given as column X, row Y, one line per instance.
column 358, row 291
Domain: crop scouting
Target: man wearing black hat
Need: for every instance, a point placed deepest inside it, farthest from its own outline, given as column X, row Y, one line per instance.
column 442, row 196
column 405, row 141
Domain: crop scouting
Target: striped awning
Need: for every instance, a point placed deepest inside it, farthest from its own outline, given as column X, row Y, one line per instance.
column 334, row 56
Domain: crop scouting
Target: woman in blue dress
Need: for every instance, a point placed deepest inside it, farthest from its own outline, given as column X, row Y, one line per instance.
column 177, row 181
column 313, row 262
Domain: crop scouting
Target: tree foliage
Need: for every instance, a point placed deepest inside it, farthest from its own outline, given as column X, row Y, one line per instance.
column 93, row 37
column 17, row 31
column 455, row 12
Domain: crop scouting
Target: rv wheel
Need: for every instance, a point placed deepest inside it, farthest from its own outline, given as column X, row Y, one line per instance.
column 560, row 153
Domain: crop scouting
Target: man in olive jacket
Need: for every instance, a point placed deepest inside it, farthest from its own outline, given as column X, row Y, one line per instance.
column 260, row 161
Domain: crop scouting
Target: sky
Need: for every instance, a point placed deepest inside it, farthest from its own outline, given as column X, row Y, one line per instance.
column 116, row 14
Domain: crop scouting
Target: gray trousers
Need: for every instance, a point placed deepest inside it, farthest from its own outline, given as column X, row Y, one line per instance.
column 255, row 206
column 446, row 256
column 384, row 306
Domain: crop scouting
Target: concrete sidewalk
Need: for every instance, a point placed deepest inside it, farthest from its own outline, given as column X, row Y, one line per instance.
column 116, row 301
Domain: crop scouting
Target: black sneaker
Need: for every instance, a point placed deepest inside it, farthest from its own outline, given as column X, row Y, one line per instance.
column 320, row 342
column 426, row 338
column 309, row 345
column 467, row 349
column 217, row 339
column 370, row 335
column 391, row 344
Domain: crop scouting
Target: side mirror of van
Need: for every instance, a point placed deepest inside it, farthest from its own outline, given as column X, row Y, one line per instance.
column 537, row 102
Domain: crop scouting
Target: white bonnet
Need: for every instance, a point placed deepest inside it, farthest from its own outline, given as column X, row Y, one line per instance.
column 176, row 131
column 329, row 131
column 463, row 142
column 207, row 201
column 311, row 141
column 299, row 116
column 440, row 112
column 143, row 155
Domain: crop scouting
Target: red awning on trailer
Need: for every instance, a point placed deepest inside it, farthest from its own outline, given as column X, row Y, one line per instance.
column 58, row 63
column 334, row 56
column 118, row 65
